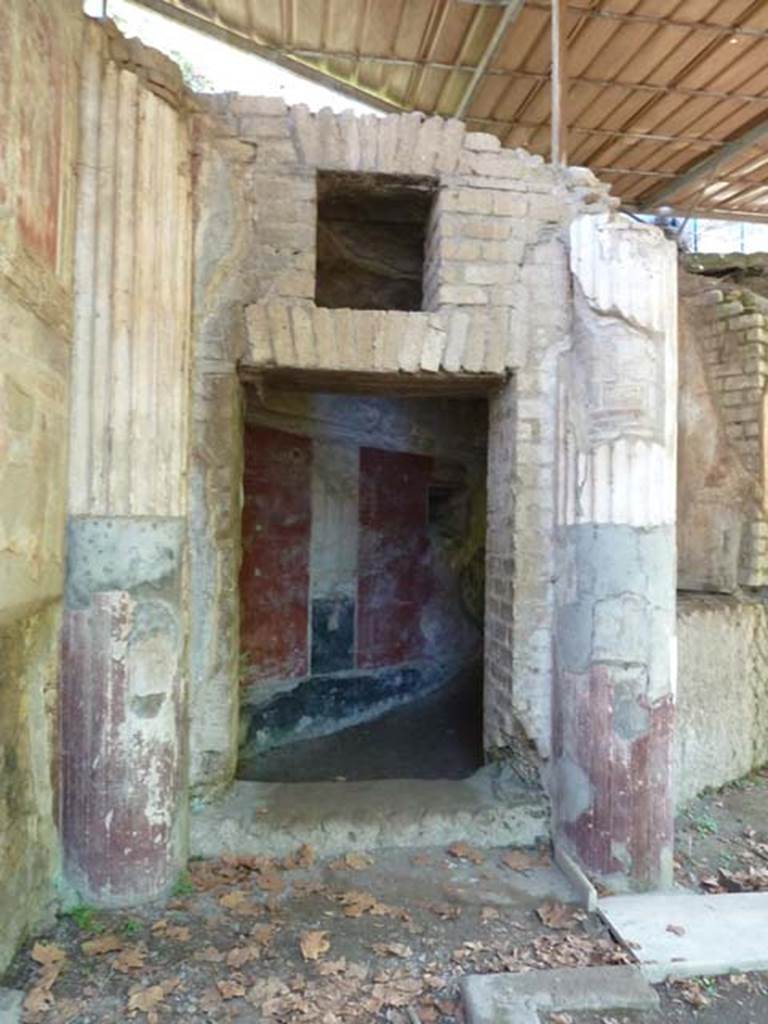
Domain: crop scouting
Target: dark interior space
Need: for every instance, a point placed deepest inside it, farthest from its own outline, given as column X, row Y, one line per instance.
column 371, row 236
column 439, row 736
column 362, row 586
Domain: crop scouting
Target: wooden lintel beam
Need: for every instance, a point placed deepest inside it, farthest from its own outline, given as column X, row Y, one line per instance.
column 559, row 76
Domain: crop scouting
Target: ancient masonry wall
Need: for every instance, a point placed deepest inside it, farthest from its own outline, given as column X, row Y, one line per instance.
column 123, row 770
column 498, row 297
column 722, row 535
column 39, row 50
column 721, row 729
column 727, row 327
column 506, row 307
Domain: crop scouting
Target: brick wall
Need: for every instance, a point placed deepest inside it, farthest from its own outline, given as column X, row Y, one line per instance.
column 728, row 327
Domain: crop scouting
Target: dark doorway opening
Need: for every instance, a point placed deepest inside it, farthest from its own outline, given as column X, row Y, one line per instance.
column 362, row 586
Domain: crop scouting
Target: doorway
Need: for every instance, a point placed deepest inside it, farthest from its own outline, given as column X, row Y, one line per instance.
column 362, row 585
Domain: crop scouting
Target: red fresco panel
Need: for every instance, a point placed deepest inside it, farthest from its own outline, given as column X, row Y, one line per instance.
column 39, row 94
column 274, row 578
column 394, row 576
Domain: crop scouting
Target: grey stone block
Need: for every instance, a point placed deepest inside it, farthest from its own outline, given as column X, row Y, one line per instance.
column 507, row 998
column 10, row 1005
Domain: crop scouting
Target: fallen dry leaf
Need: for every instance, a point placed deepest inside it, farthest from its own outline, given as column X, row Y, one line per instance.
column 691, row 992
column 314, row 944
column 398, row 949
column 47, row 953
column 489, row 914
column 178, row 932
column 446, row 911
column 234, row 900
column 525, row 860
column 304, row 857
column 230, row 988
column 560, row 1018
column 102, row 944
column 130, row 959
column 356, row 902
column 241, row 955
column 209, row 955
column 357, row 861
column 39, row 999
column 463, row 851
column 264, row 933
column 555, row 915
column 270, row 881
column 146, row 1000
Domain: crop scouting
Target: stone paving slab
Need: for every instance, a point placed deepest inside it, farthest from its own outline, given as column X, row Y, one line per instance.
column 518, row 998
column 680, row 934
column 10, row 1006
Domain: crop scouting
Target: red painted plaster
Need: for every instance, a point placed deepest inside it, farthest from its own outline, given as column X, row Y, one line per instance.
column 40, row 120
column 274, row 578
column 120, row 783
column 630, row 813
column 395, row 579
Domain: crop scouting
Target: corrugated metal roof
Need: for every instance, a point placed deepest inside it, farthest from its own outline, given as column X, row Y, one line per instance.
column 655, row 86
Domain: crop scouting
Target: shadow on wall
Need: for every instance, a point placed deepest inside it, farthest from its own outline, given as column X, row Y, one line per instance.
column 361, row 585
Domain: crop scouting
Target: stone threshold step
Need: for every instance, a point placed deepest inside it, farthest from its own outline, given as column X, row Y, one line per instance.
column 490, row 808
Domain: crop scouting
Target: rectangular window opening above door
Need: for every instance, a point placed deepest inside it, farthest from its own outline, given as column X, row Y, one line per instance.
column 371, row 240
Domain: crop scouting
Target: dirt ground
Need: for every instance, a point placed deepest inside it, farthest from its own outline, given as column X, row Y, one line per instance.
column 361, row 938
column 376, row 938
column 722, row 838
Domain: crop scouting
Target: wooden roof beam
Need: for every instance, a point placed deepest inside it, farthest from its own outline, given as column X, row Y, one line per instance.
column 659, row 20
column 387, row 60
column 282, row 57
column 703, row 169
column 511, row 11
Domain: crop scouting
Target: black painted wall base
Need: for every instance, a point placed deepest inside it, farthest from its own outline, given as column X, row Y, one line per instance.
column 327, row 703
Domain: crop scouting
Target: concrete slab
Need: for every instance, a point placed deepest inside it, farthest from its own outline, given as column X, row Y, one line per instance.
column 681, row 934
column 10, row 1005
column 517, row 998
column 487, row 809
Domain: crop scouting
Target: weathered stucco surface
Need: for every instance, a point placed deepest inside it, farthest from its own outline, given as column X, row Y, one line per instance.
column 124, row 668
column 615, row 672
column 39, row 48
column 722, row 700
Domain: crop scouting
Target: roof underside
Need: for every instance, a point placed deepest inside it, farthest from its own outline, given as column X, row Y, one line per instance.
column 656, row 87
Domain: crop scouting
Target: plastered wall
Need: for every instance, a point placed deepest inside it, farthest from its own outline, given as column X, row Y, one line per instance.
column 40, row 44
